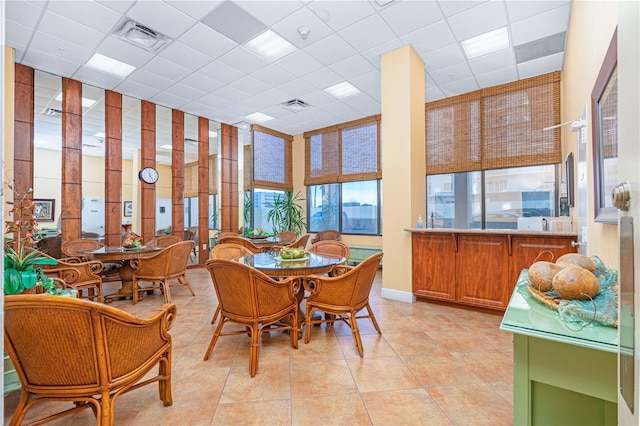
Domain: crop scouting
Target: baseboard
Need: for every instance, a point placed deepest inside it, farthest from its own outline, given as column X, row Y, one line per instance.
column 401, row 296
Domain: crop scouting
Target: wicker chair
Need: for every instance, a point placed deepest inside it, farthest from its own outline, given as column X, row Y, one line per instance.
column 79, row 275
column 72, row 350
column 191, row 233
column 236, row 239
column 229, row 251
column 330, row 248
column 77, row 248
column 286, row 237
column 250, row 298
column 51, row 246
column 164, row 240
column 343, row 296
column 168, row 264
column 327, row 234
column 300, row 242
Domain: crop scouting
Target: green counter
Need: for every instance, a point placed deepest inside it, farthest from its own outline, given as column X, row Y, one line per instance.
column 561, row 376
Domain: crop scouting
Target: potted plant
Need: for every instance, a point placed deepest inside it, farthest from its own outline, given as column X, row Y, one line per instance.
column 20, row 261
column 286, row 214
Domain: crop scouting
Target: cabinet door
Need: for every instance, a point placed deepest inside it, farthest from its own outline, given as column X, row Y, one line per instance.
column 482, row 271
column 525, row 249
column 434, row 265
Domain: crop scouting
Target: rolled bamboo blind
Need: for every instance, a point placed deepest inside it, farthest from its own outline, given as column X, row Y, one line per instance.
column 608, row 106
column 191, row 180
column 213, row 174
column 248, row 167
column 497, row 127
column 272, row 166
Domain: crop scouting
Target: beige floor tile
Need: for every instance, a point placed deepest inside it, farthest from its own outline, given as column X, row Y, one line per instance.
column 174, row 415
column 381, row 373
column 403, row 407
column 439, row 370
column 321, row 378
column 489, row 365
column 373, row 345
column 414, row 343
column 271, row 382
column 270, row 413
column 458, row 341
column 329, row 410
column 473, row 404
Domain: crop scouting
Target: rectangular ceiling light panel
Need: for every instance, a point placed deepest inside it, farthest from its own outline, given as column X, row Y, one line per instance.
column 109, row 65
column 270, row 46
column 486, row 43
column 86, row 102
column 259, row 117
column 342, row 90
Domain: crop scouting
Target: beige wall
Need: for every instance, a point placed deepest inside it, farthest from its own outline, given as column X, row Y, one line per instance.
column 9, row 79
column 590, row 31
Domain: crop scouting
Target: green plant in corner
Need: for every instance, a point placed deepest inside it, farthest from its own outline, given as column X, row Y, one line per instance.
column 20, row 261
column 286, row 214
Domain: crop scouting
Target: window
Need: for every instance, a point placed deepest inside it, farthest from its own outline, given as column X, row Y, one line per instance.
column 506, row 195
column 350, row 207
column 190, row 211
column 262, row 198
column 213, row 211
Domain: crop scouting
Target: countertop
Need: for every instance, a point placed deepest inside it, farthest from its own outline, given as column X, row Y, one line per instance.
column 488, row 231
column 528, row 316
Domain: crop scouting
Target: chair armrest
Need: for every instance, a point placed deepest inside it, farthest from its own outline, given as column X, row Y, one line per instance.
column 339, row 270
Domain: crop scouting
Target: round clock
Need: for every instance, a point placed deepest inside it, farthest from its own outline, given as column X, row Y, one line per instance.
column 148, row 175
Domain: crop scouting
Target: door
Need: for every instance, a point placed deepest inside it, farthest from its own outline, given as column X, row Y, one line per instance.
column 93, row 215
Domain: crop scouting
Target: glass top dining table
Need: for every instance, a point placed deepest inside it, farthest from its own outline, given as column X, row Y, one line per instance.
column 271, row 264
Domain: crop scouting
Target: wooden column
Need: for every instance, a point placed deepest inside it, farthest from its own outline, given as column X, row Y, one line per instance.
column 229, row 178
column 113, row 168
column 148, row 152
column 177, row 172
column 203, row 190
column 71, row 207
column 23, row 132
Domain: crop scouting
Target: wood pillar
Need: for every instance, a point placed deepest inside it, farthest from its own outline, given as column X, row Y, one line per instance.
column 113, row 168
column 148, row 153
column 177, row 172
column 71, row 208
column 203, row 190
column 23, row 132
column 229, row 179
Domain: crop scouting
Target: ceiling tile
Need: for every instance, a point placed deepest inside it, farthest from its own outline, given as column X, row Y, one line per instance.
column 433, row 94
column 165, row 98
column 124, row 52
column 166, row 68
column 542, row 25
column 250, row 85
column 341, row 14
column 430, row 38
column 367, row 33
column 17, row 34
column 527, row 8
column 450, row 74
column 273, row 75
column 352, row 67
column 184, row 55
column 297, row 88
column 404, row 17
column 230, row 93
column 184, row 91
column 443, row 57
column 330, row 50
column 140, row 91
column 497, row 77
column 243, row 60
column 369, row 83
column 118, row 5
column 195, row 8
column 201, row 82
column 269, row 98
column 100, row 17
column 161, row 17
column 221, row 72
column 52, row 63
column 541, row 66
column 318, row 97
column 459, row 87
column 66, row 29
column 323, row 78
column 373, row 55
column 207, row 41
column 143, row 76
column 22, row 12
column 234, row 22
column 498, row 60
column 59, row 48
column 478, row 20
column 270, row 12
column 299, row 63
column 288, row 28
column 214, row 102
column 97, row 78
column 452, row 7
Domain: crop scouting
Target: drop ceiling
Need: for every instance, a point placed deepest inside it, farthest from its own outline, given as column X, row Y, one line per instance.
column 203, row 72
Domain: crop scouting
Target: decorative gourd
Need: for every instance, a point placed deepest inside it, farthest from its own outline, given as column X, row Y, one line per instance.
column 579, row 260
column 541, row 275
column 575, row 282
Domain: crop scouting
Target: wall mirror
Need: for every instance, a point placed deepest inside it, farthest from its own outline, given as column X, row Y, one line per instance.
column 604, row 110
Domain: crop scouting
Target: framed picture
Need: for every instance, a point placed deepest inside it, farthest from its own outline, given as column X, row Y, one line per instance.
column 45, row 209
column 128, row 209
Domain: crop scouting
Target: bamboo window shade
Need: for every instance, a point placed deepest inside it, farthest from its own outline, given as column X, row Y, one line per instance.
column 608, row 111
column 213, row 174
column 247, row 162
column 272, row 163
column 497, row 127
column 343, row 153
column 191, row 177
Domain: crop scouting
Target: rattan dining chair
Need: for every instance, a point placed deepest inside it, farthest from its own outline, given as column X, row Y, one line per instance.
column 78, row 274
column 164, row 240
column 342, row 296
column 68, row 350
column 168, row 264
column 330, row 248
column 286, row 237
column 327, row 234
column 236, row 239
column 299, row 243
column 78, row 248
column 252, row 299
column 229, row 251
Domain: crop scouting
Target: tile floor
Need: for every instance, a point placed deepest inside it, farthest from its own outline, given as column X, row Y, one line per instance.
column 433, row 365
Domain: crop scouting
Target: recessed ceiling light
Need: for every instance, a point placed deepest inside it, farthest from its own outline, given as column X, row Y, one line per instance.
column 213, row 134
column 342, row 90
column 109, row 65
column 270, row 45
column 86, row 102
column 99, row 135
column 259, row 117
column 166, row 146
column 486, row 43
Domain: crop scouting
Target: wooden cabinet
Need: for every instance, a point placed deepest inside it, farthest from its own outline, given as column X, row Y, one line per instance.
column 477, row 268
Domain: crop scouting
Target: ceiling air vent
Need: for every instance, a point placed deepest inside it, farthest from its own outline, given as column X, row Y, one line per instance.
column 191, row 141
column 141, row 36
column 295, row 105
column 52, row 112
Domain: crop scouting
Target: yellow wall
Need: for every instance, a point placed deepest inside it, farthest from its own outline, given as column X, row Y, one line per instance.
column 9, row 82
column 590, row 31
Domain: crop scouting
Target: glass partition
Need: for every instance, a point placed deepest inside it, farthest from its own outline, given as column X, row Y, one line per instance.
column 131, row 146
column 190, row 171
column 164, row 143
column 214, row 175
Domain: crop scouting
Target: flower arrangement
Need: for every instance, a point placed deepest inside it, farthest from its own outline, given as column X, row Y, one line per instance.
column 20, row 261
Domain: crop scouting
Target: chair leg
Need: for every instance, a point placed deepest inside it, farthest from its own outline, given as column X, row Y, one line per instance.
column 21, row 409
column 356, row 333
column 294, row 329
column 214, row 339
column 255, row 349
column 167, row 295
column 164, row 385
column 307, row 325
column 187, row 283
column 134, row 291
column 215, row 314
column 373, row 319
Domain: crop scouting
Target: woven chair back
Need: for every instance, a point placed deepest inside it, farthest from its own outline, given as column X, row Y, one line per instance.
column 77, row 247
column 327, row 234
column 229, row 251
column 235, row 239
column 330, row 248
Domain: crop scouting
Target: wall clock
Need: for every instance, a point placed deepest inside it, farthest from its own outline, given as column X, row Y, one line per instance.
column 148, row 175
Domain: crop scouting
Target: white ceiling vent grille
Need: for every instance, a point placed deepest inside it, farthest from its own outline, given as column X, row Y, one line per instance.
column 52, row 112
column 295, row 105
column 141, row 36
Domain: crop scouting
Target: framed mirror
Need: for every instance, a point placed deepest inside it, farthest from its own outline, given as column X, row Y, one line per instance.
column 604, row 115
